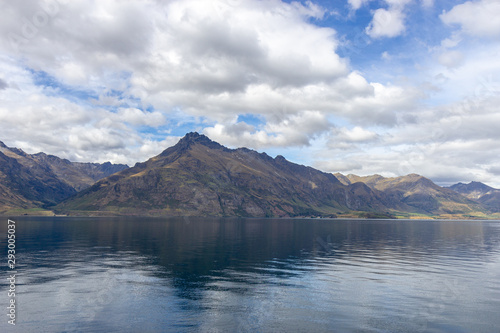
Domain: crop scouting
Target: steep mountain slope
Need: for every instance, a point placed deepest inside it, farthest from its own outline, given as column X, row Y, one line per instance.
column 77, row 175
column 418, row 194
column 482, row 193
column 200, row 177
column 28, row 185
column 473, row 190
column 491, row 200
column 39, row 181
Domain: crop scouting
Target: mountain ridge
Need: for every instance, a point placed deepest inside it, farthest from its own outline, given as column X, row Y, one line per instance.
column 233, row 182
column 417, row 193
column 39, row 181
column 482, row 193
column 198, row 176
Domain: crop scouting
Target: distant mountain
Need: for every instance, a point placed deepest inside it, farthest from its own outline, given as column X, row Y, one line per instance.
column 40, row 180
column 491, row 200
column 78, row 175
column 417, row 194
column 482, row 193
column 198, row 176
column 473, row 190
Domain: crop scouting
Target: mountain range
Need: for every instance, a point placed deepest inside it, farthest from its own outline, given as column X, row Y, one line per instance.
column 488, row 196
column 35, row 182
column 199, row 177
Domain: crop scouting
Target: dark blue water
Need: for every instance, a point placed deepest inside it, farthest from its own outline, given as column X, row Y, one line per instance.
column 253, row 275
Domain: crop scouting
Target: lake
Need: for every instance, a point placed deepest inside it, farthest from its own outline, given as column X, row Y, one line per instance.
column 253, row 275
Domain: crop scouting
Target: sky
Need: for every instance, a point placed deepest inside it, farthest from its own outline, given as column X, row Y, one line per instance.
column 387, row 87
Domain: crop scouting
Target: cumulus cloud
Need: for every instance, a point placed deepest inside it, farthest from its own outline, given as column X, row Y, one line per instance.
column 35, row 120
column 450, row 141
column 456, row 142
column 386, row 23
column 357, row 134
column 292, row 130
column 228, row 50
column 138, row 117
column 114, row 80
column 206, row 61
column 199, row 57
column 478, row 18
column 350, row 139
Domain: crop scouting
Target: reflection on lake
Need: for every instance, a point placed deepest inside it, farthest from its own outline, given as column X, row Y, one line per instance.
column 247, row 275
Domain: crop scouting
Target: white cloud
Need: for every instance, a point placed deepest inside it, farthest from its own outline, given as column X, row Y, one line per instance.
column 350, row 139
column 142, row 68
column 338, row 166
column 427, row 3
column 475, row 78
column 456, row 142
column 451, row 42
column 36, row 121
column 138, row 117
column 451, row 59
column 478, row 18
column 207, row 59
column 357, row 4
column 397, row 3
column 453, row 138
column 386, row 23
column 357, row 134
column 292, row 130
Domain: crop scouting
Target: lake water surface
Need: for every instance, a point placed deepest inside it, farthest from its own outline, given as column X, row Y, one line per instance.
column 253, row 275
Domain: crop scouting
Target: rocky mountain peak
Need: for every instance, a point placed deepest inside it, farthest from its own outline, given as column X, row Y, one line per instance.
column 194, row 138
column 473, row 189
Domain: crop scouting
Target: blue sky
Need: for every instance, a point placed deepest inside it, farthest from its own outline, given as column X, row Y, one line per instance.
column 353, row 86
